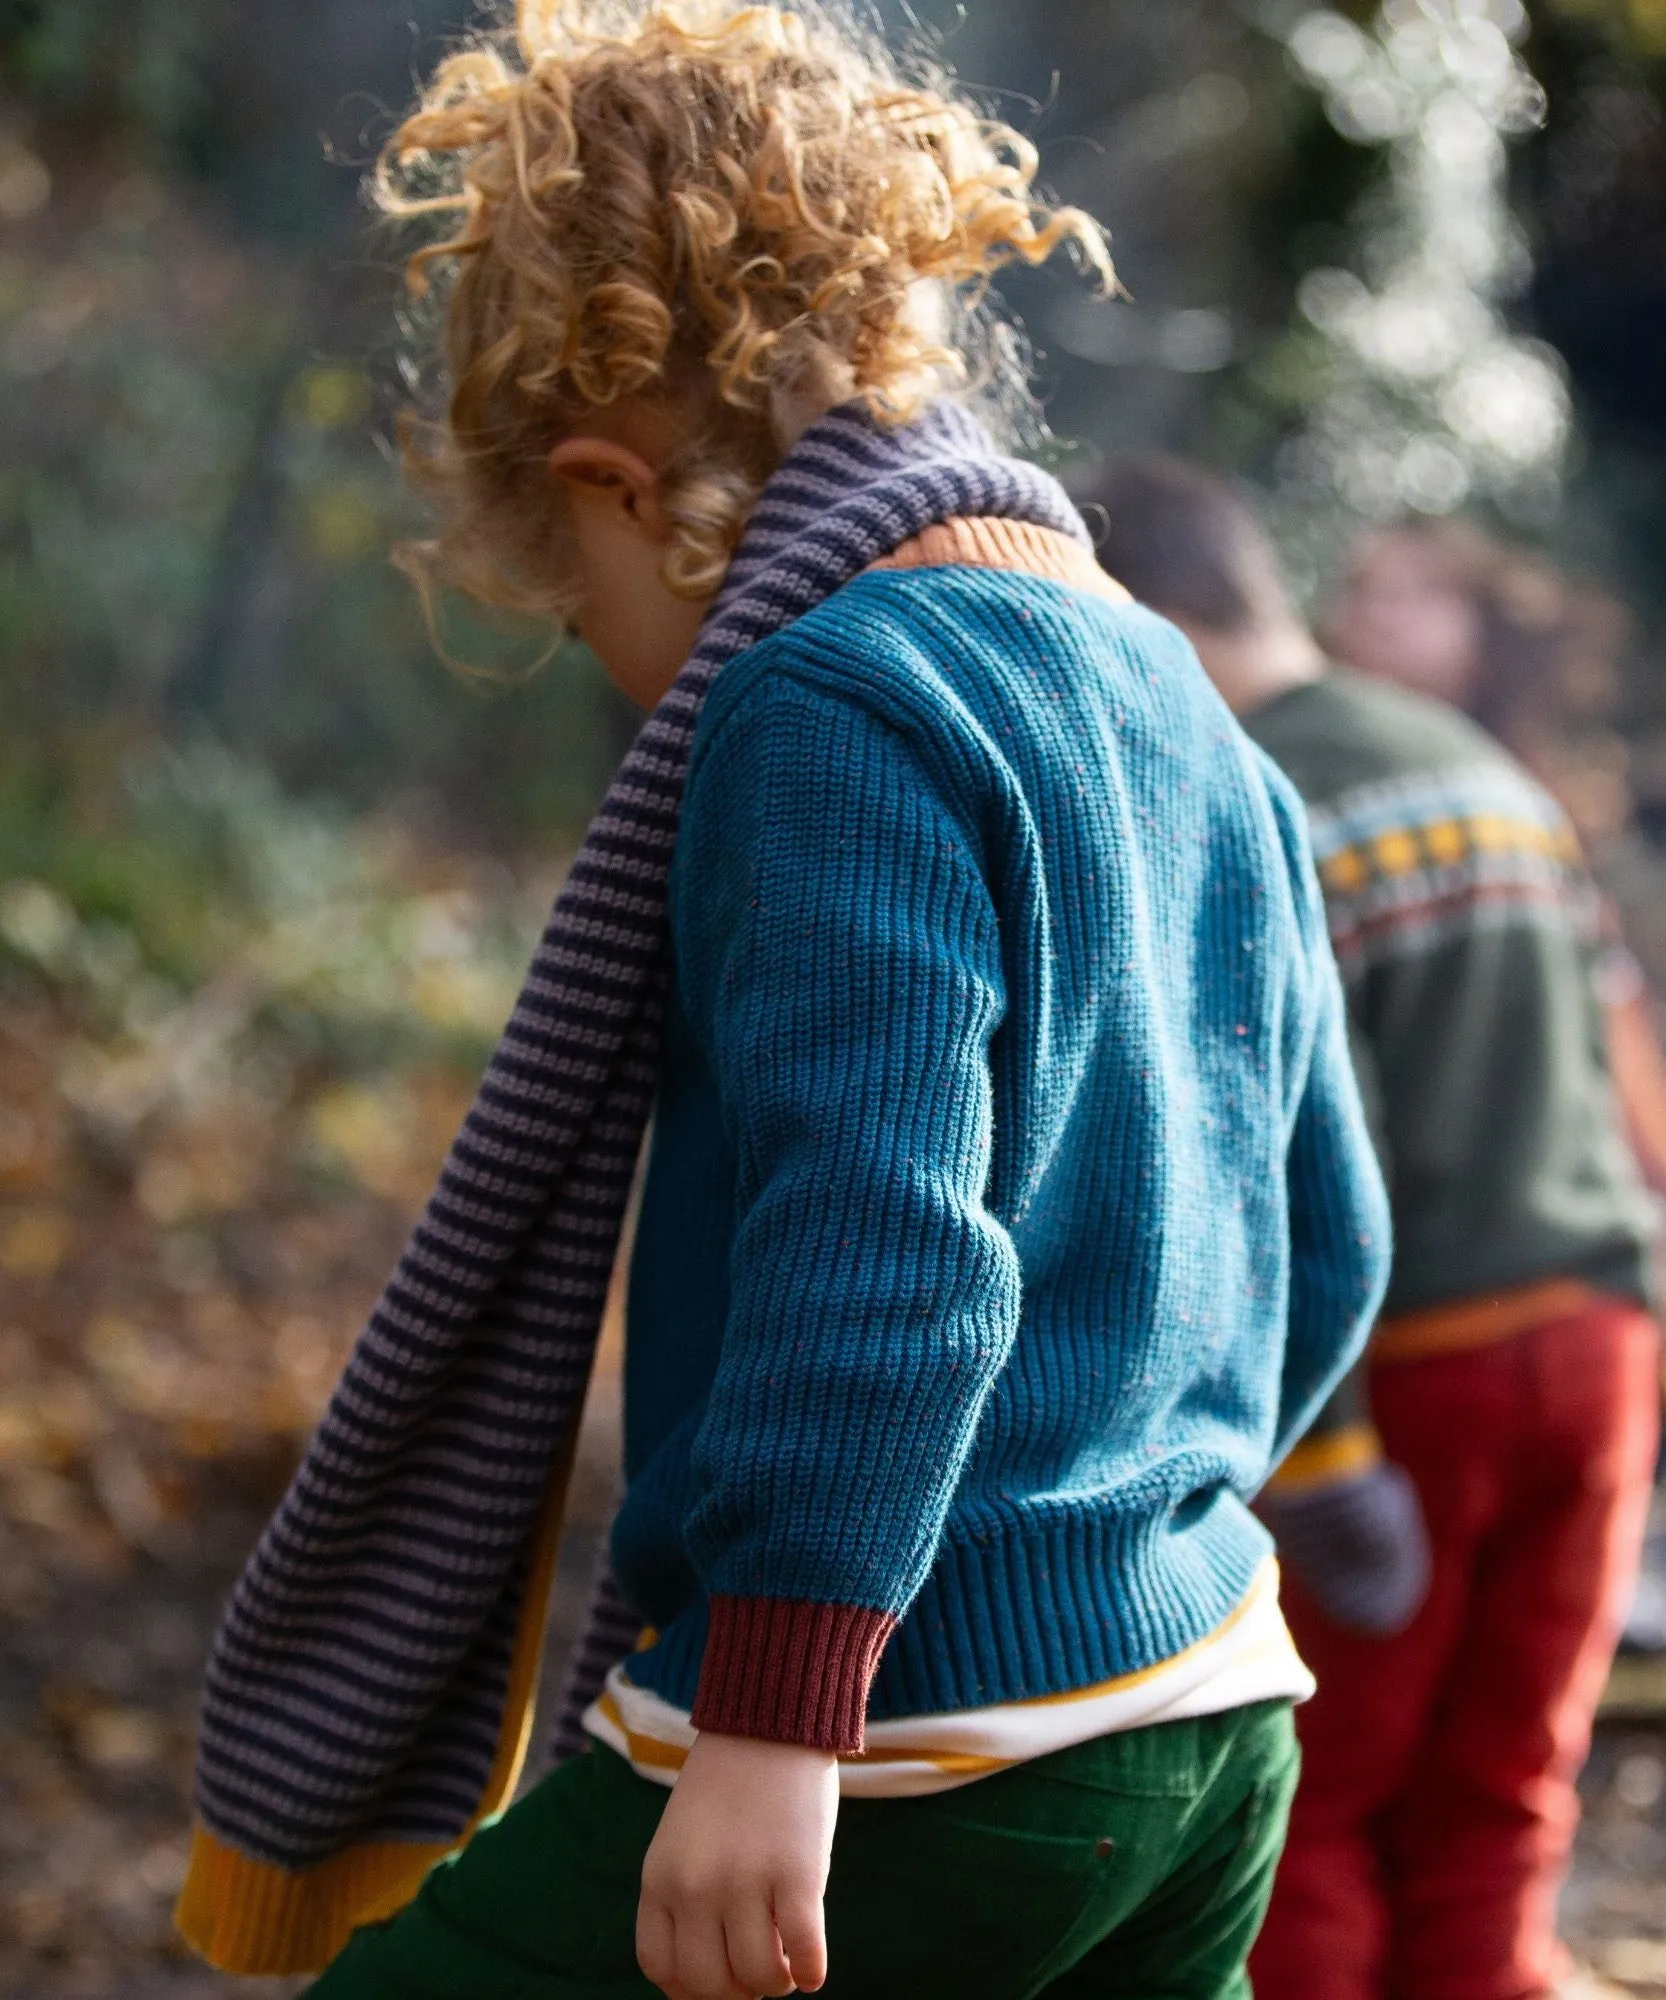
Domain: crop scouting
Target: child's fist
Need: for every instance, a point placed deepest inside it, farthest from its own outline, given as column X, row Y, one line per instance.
column 732, row 1884
column 1358, row 1544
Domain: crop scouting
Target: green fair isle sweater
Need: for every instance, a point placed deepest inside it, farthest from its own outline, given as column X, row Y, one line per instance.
column 1465, row 928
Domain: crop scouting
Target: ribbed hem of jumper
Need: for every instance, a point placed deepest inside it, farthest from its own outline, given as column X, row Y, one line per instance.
column 1018, row 1609
column 790, row 1672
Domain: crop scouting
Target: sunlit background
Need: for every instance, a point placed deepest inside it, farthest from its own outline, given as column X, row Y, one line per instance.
column 270, row 867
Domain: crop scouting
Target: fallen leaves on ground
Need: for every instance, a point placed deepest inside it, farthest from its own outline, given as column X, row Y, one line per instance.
column 174, row 1311
column 170, row 1325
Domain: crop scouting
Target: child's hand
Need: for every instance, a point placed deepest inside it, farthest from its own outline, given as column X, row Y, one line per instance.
column 1359, row 1545
column 732, row 1885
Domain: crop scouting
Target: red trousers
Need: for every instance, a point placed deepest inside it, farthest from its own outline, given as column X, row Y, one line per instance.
column 1437, row 1805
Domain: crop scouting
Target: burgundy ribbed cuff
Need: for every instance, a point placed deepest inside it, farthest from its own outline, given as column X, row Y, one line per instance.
column 790, row 1672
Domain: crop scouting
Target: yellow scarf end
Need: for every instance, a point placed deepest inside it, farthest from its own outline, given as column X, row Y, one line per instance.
column 249, row 1917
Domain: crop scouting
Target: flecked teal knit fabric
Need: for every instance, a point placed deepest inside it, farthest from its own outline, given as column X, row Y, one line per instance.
column 1010, row 1208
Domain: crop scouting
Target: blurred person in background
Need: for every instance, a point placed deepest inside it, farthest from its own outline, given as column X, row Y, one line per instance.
column 1534, row 657
column 1461, row 1526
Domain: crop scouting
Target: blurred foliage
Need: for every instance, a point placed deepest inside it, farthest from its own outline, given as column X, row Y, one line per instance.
column 338, row 935
column 195, row 511
column 1196, row 132
column 1402, row 384
column 141, row 64
column 236, row 1034
column 195, row 335
column 197, row 488
column 1638, row 24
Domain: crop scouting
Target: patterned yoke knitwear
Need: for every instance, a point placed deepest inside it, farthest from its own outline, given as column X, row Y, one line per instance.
column 1011, row 1209
column 1467, row 929
column 1512, row 1383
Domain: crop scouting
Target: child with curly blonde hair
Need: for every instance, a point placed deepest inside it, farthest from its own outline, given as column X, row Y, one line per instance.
column 1009, row 1209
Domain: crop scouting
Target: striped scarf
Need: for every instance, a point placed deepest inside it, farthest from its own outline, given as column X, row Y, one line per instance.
column 361, row 1683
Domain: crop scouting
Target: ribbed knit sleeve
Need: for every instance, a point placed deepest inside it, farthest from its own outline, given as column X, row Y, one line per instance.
column 1340, row 1235
column 844, row 978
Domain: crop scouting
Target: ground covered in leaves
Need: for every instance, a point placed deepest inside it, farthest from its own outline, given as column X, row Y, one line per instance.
column 236, row 1035
column 163, row 1352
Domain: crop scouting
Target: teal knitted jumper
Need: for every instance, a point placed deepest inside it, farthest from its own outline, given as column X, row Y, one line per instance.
column 1010, row 1208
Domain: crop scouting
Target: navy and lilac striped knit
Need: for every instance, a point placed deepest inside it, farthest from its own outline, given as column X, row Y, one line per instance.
column 1010, row 1210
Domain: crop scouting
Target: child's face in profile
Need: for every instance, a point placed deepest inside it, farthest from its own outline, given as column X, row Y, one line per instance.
column 638, row 628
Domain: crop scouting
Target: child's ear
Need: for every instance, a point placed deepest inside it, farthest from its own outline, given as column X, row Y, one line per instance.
column 613, row 479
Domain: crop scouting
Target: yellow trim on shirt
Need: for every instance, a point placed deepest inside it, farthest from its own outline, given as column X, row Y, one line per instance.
column 652, row 1752
column 1142, row 1675
column 1321, row 1461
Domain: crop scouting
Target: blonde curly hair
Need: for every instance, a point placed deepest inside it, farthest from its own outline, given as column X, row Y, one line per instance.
column 726, row 206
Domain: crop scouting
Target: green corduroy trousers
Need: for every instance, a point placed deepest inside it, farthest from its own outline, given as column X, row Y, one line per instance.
column 1138, row 1865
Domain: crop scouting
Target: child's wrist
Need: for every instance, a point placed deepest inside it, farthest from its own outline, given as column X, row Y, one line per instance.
column 766, row 1751
column 788, row 1671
